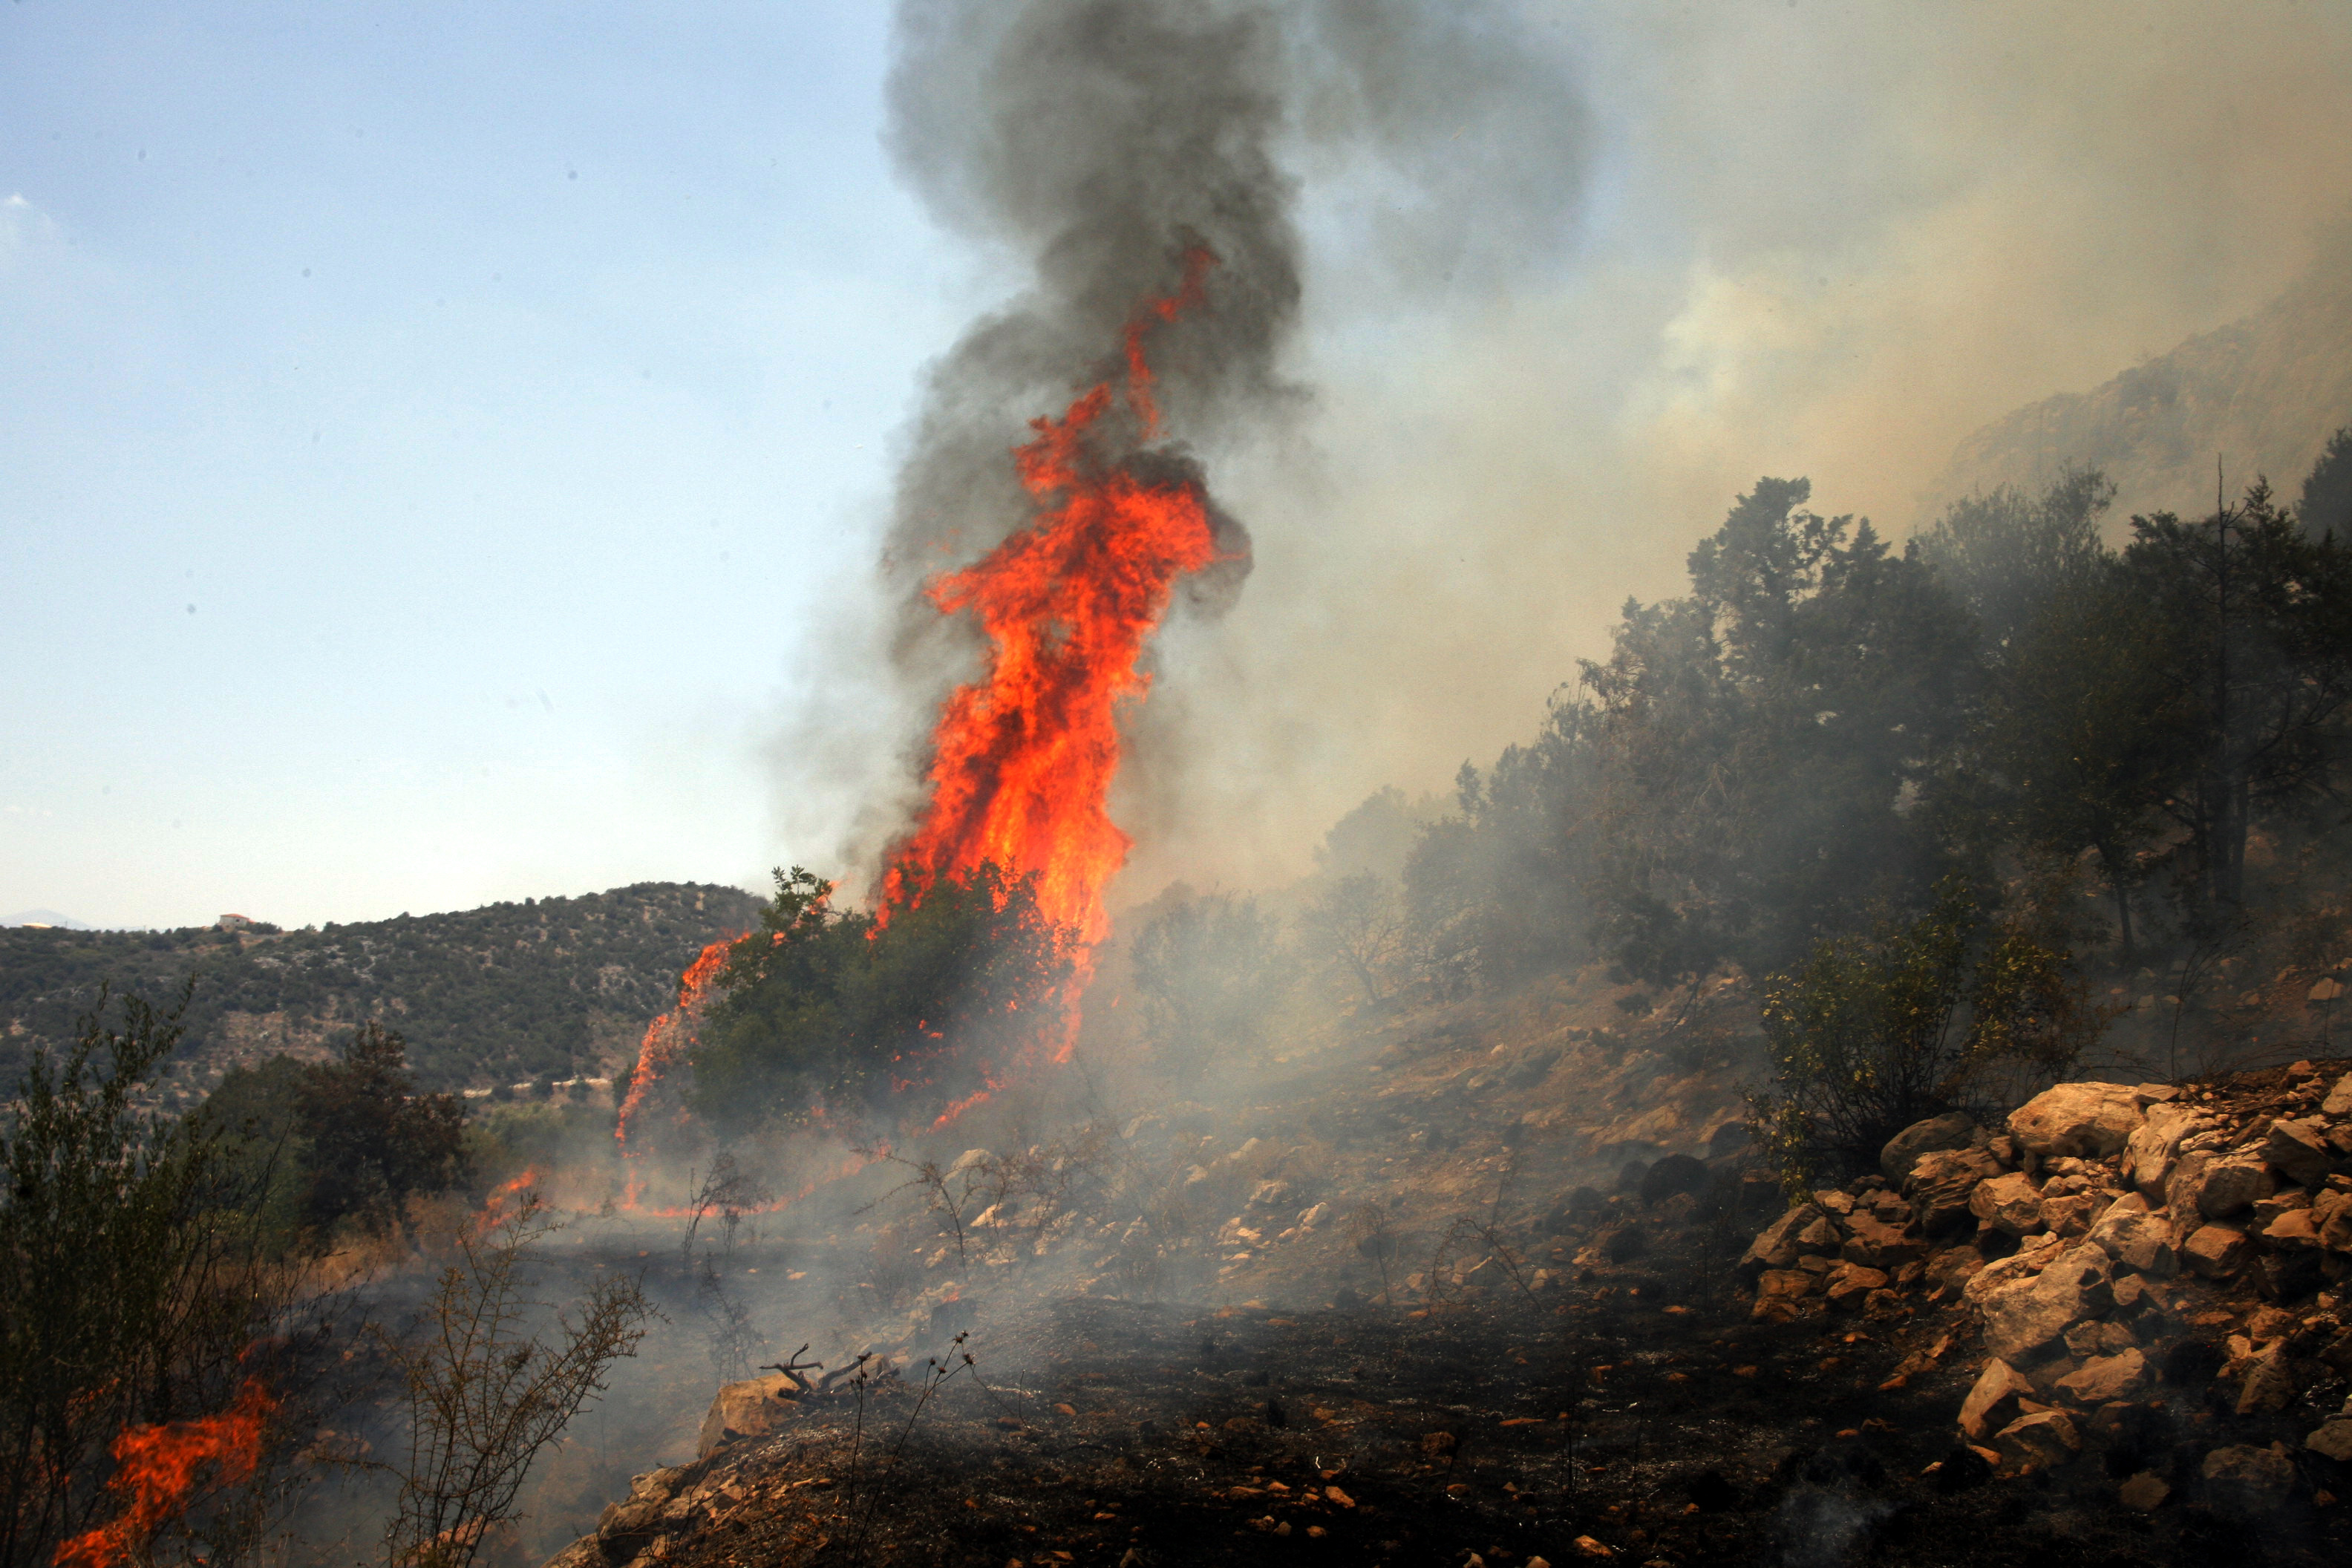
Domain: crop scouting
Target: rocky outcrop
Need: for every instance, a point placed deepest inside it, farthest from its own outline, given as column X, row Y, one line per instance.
column 2122, row 1243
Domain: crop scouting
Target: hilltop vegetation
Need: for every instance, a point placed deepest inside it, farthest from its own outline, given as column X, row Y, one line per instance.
column 545, row 988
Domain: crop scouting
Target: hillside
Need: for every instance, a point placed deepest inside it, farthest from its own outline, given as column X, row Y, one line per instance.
column 548, row 987
column 2263, row 393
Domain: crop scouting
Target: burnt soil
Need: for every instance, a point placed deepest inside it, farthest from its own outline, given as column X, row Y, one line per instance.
column 1639, row 1408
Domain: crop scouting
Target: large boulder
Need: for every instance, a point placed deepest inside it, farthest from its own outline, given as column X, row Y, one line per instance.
column 2089, row 1120
column 2254, row 1481
column 1940, row 1182
column 1993, row 1397
column 1953, row 1129
column 751, row 1408
column 2334, row 1438
column 1778, row 1246
column 2299, row 1151
column 2216, row 1251
column 2153, row 1144
column 1874, row 1243
column 2024, row 1318
column 2339, row 1098
column 2331, row 1215
column 2009, row 1203
column 2139, row 1241
column 2107, row 1377
column 2042, row 1441
column 2217, row 1185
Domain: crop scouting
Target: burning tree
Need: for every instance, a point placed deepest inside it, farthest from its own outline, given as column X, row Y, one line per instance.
column 134, row 1280
column 826, row 1011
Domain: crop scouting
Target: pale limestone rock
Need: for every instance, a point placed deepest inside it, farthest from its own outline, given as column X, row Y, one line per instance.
column 1954, row 1129
column 2339, row 1098
column 2268, row 1385
column 2011, row 1203
column 1776, row 1246
column 1994, row 1395
column 2093, row 1120
column 2216, row 1251
column 751, row 1408
column 2042, row 1441
column 2137, row 1239
column 2334, row 1439
column 2299, row 1151
column 2103, row 1378
column 1940, row 1182
column 2217, row 1185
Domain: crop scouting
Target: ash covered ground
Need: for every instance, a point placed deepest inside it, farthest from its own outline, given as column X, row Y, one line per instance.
column 1433, row 1298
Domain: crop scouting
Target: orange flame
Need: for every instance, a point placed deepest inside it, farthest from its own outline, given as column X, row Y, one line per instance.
column 500, row 1204
column 668, row 1037
column 155, row 1469
column 1022, row 760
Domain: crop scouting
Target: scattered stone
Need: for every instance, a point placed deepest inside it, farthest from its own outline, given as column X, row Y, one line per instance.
column 2299, row 1151
column 2149, row 1151
column 2216, row 1251
column 2009, row 1203
column 2339, row 1098
column 1997, row 1389
column 2217, row 1186
column 2255, row 1480
column 2144, row 1492
column 1874, row 1244
column 2084, row 1120
column 2331, row 1213
column 1940, row 1181
column 1954, row 1129
column 1776, row 1246
column 751, row 1408
column 2137, row 1239
column 1851, row 1282
column 2334, row 1439
column 2069, row 1213
column 2105, row 1378
column 2269, row 1386
column 2042, row 1441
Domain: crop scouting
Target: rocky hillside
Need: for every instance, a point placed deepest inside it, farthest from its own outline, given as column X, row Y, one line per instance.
column 546, row 988
column 2263, row 393
column 1485, row 1284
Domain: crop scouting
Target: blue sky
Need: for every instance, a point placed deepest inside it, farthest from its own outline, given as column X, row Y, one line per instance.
column 442, row 447
column 420, row 429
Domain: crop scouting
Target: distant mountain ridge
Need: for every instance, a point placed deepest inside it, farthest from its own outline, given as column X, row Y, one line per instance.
column 2263, row 393
column 43, row 918
column 545, row 988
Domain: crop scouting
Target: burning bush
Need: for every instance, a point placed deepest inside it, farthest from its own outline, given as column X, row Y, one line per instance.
column 134, row 1288
column 826, row 1010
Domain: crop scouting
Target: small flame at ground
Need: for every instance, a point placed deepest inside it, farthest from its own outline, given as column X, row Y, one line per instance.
column 156, row 1469
column 669, row 1037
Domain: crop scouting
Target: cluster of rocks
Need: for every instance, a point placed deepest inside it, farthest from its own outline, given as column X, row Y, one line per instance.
column 2111, row 1245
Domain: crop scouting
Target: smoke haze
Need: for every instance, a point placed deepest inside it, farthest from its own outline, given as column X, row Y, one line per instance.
column 1520, row 298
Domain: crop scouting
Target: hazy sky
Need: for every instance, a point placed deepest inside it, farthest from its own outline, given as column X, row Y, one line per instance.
column 442, row 447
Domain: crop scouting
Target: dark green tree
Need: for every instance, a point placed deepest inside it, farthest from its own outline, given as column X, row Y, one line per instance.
column 2255, row 618
column 132, row 1280
column 371, row 1139
column 1767, row 740
column 2326, row 507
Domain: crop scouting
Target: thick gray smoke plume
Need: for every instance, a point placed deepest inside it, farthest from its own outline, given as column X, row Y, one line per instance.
column 1091, row 144
column 1098, row 141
